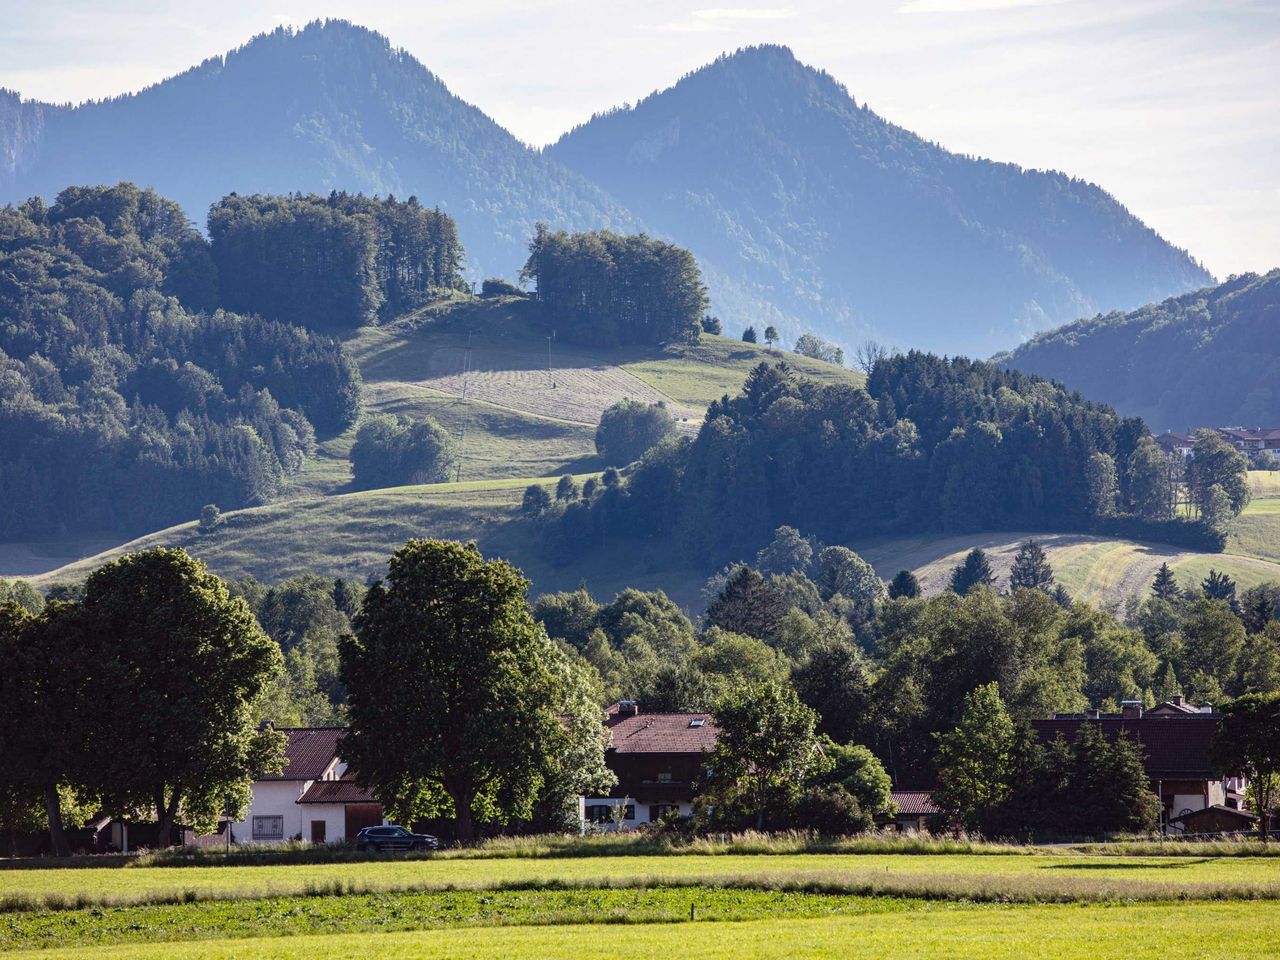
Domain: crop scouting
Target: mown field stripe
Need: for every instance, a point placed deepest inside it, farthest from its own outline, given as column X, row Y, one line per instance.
column 1242, row 931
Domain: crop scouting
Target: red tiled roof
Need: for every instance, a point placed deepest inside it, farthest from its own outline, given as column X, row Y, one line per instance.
column 308, row 752
column 661, row 732
column 914, row 802
column 1175, row 746
column 336, row 791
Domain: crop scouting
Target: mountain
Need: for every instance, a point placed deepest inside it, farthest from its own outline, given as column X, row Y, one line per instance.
column 1207, row 358
column 806, row 210
column 331, row 106
column 772, row 173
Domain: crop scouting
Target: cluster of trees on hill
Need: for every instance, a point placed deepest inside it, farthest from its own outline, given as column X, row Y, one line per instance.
column 1207, row 358
column 394, row 450
column 332, row 263
column 605, row 289
column 121, row 406
column 930, row 444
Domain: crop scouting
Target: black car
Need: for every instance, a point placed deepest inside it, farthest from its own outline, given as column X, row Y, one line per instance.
column 382, row 839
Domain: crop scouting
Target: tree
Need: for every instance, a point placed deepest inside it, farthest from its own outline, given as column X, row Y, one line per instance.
column 749, row 335
column 975, row 759
column 1259, row 606
column 536, row 501
column 842, row 572
column 1165, row 585
column 184, row 667
column 787, row 552
column 904, row 584
column 1215, row 507
column 210, row 519
column 1219, row 586
column 629, row 429
column 1104, row 489
column 1248, row 742
column 765, row 752
column 712, row 325
column 866, row 356
column 973, row 571
column 566, row 488
column 746, row 605
column 1150, row 492
column 836, row 683
column 1031, row 569
column 394, row 450
column 1214, row 639
column 807, row 345
column 770, row 336
column 1215, row 462
column 470, row 726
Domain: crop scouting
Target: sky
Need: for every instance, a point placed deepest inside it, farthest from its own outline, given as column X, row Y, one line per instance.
column 1171, row 105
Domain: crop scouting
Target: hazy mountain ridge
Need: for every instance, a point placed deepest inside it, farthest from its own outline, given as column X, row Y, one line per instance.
column 1206, row 358
column 769, row 169
column 806, row 210
column 331, row 106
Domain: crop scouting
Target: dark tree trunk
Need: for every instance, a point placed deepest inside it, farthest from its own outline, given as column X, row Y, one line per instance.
column 165, row 812
column 463, row 824
column 53, row 809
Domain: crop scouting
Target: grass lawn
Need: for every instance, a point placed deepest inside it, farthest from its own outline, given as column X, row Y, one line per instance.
column 1062, row 932
column 973, row 875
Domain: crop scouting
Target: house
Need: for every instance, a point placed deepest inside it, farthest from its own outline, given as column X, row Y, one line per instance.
column 311, row 798
column 1176, row 740
column 658, row 760
column 1250, row 440
column 916, row 811
column 1179, row 443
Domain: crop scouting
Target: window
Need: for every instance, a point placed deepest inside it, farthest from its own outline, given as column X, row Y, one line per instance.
column 605, row 812
column 268, row 828
column 663, row 811
column 697, row 722
column 664, row 776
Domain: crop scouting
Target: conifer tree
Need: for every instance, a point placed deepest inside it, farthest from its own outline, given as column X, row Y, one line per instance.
column 1031, row 569
column 904, row 584
column 973, row 571
column 1165, row 585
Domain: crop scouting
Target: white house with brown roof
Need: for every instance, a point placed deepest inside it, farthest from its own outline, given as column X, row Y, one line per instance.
column 310, row 799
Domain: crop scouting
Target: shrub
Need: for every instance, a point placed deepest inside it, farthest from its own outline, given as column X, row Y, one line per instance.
column 629, row 429
column 390, row 451
column 210, row 518
column 536, row 500
column 497, row 287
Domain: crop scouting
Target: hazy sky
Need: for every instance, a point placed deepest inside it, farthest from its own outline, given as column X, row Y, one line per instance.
column 1172, row 106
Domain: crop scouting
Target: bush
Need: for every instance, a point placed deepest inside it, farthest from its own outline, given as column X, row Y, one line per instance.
column 630, row 429
column 497, row 287
column 390, row 451
column 536, row 500
column 210, row 518
column 1178, row 532
column 712, row 324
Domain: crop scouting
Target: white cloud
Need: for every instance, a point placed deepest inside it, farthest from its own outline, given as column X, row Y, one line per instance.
column 971, row 6
column 732, row 14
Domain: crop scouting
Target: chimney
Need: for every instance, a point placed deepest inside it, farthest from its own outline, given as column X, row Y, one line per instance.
column 628, row 708
column 1131, row 709
column 1179, row 700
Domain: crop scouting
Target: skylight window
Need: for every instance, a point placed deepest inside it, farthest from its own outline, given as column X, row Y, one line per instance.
column 697, row 722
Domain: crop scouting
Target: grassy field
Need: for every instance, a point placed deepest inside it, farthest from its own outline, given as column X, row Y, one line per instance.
column 961, row 932
column 975, row 876
column 1043, row 903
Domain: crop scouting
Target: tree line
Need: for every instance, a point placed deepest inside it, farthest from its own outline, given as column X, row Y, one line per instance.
column 609, row 290
column 931, row 444
column 332, row 263
column 829, row 686
column 126, row 399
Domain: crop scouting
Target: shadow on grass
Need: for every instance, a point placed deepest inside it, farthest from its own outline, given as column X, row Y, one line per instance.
column 1179, row 864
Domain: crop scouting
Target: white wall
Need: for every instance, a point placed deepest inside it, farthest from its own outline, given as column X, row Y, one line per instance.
column 334, row 816
column 275, row 798
column 641, row 812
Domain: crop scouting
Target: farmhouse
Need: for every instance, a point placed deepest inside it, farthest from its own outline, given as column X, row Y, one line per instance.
column 1252, row 439
column 309, row 799
column 658, row 759
column 1176, row 740
column 915, row 811
column 1179, row 443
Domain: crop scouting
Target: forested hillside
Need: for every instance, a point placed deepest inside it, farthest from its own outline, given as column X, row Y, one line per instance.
column 123, row 408
column 784, row 185
column 333, row 106
column 1208, row 358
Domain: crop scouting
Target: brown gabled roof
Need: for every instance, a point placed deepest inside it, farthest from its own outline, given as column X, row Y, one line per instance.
column 660, row 732
column 1175, row 746
column 1216, row 808
column 916, row 803
column 336, row 791
column 308, row 752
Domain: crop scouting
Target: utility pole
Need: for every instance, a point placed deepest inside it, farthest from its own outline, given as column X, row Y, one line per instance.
column 550, row 378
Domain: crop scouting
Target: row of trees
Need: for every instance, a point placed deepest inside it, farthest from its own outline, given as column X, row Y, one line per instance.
column 331, row 263
column 930, row 444
column 120, row 407
column 605, row 289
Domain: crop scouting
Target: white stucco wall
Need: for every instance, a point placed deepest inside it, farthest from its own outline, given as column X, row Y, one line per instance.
column 334, row 816
column 274, row 798
column 642, row 808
